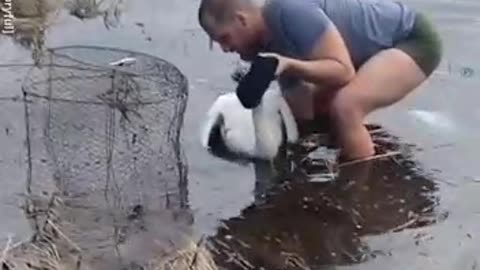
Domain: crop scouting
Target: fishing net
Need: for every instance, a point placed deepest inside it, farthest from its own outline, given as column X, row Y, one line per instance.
column 106, row 173
column 105, row 129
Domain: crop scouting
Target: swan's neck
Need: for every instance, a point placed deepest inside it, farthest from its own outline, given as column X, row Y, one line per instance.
column 267, row 123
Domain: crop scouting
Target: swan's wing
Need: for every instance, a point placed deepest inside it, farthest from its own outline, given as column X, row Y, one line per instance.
column 235, row 122
column 239, row 138
column 238, row 130
column 214, row 117
column 290, row 123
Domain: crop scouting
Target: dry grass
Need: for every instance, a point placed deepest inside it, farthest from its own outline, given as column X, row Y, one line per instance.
column 52, row 249
column 31, row 19
column 374, row 157
column 194, row 256
column 48, row 249
column 48, row 255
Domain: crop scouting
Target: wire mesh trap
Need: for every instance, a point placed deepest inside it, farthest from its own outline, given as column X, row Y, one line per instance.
column 103, row 125
column 103, row 130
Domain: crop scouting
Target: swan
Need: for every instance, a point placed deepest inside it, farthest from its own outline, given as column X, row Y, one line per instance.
column 256, row 133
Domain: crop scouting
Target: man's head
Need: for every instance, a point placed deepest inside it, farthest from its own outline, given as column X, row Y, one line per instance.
column 237, row 25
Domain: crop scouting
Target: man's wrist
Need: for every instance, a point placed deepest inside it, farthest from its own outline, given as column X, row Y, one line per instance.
column 293, row 67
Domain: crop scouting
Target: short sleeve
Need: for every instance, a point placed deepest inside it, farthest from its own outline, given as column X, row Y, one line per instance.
column 303, row 22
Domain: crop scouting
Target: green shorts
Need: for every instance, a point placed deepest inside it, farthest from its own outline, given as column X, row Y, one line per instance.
column 423, row 44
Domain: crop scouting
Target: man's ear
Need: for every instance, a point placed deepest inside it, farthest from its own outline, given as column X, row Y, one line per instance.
column 242, row 17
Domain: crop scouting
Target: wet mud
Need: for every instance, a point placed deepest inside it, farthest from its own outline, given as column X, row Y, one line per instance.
column 303, row 223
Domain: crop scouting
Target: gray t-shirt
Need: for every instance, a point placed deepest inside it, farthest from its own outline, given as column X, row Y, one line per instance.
column 367, row 26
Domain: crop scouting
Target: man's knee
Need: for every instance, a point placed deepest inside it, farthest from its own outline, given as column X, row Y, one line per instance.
column 345, row 107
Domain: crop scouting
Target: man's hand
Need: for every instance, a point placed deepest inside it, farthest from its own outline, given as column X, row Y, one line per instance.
column 283, row 62
column 253, row 85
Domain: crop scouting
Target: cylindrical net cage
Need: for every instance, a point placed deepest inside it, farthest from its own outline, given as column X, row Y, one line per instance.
column 104, row 124
column 103, row 135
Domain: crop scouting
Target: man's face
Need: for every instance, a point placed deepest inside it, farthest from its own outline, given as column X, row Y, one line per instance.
column 238, row 36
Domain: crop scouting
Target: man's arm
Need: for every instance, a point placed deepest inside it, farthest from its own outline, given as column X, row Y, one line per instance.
column 327, row 60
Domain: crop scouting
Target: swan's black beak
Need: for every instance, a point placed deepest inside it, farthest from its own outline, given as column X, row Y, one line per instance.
column 239, row 73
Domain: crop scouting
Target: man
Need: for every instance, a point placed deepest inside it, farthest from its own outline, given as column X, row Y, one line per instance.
column 343, row 58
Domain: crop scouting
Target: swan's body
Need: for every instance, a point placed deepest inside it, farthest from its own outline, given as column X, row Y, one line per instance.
column 256, row 133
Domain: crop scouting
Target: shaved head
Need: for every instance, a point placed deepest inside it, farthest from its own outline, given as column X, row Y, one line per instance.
column 236, row 25
column 217, row 12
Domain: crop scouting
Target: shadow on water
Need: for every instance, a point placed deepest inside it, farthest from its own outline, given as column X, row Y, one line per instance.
column 301, row 223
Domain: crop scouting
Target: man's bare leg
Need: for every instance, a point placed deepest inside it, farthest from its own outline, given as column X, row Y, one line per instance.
column 383, row 80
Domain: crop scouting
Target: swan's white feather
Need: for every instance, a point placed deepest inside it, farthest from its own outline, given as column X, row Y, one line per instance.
column 254, row 133
column 289, row 120
column 236, row 124
column 267, row 122
column 214, row 115
column 238, row 130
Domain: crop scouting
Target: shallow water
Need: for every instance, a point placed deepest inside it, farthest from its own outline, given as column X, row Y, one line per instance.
column 219, row 190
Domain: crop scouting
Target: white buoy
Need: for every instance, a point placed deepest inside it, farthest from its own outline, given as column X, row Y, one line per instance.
column 256, row 133
column 124, row 61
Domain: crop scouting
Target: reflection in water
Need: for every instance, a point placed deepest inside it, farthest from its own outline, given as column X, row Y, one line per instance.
column 300, row 223
column 33, row 17
column 110, row 10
